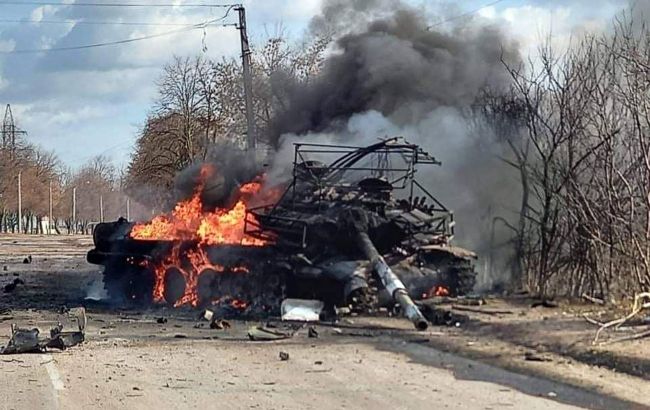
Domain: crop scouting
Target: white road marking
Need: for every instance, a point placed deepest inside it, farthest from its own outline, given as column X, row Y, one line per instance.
column 52, row 371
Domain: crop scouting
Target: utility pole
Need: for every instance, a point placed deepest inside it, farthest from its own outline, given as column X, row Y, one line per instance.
column 20, row 206
column 101, row 208
column 74, row 210
column 128, row 208
column 49, row 221
column 251, row 140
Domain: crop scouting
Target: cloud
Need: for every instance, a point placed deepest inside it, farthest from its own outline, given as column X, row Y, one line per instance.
column 7, row 45
column 89, row 99
column 83, row 101
column 287, row 12
column 561, row 22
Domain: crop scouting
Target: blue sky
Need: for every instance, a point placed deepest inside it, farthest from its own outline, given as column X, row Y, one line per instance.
column 87, row 102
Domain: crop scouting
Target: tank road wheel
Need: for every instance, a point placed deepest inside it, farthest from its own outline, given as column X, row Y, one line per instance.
column 174, row 285
column 461, row 279
column 207, row 284
column 128, row 284
column 455, row 273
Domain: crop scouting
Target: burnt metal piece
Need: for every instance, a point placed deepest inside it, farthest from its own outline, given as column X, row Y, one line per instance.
column 29, row 340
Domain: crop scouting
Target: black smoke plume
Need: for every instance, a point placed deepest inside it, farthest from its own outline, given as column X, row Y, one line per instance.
column 396, row 65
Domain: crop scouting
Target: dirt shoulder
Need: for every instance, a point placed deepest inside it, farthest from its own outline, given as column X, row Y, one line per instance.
column 554, row 342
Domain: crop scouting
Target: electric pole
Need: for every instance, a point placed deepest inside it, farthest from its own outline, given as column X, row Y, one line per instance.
column 128, row 208
column 251, row 140
column 74, row 210
column 49, row 220
column 20, row 206
column 101, row 208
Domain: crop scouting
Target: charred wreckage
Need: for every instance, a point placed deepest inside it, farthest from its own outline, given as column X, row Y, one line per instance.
column 352, row 228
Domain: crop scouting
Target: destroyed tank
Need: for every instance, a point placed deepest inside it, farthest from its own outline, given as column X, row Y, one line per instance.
column 353, row 227
column 337, row 191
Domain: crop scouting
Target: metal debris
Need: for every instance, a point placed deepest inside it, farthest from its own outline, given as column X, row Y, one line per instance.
column 10, row 287
column 534, row 357
column 215, row 323
column 220, row 324
column 301, row 310
column 544, row 303
column 29, row 340
column 259, row 333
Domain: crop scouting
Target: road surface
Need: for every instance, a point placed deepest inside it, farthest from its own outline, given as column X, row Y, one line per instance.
column 131, row 361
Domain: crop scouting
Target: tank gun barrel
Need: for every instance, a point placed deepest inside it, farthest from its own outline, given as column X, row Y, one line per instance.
column 391, row 282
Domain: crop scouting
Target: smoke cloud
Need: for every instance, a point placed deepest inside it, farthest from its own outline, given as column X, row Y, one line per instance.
column 396, row 66
column 392, row 75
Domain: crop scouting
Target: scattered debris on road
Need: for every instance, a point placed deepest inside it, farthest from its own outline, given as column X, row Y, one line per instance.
column 441, row 316
column 544, row 303
column 214, row 322
column 284, row 356
column 536, row 357
column 260, row 333
column 220, row 324
column 28, row 340
column 10, row 287
column 301, row 310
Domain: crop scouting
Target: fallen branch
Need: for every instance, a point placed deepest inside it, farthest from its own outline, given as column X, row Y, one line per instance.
column 635, row 336
column 593, row 299
column 482, row 311
column 592, row 321
column 638, row 306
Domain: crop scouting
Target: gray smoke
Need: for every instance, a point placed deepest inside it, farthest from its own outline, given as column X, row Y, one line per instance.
column 228, row 168
column 396, row 66
column 391, row 75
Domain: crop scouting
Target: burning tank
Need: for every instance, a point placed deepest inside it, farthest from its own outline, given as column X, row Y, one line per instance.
column 352, row 227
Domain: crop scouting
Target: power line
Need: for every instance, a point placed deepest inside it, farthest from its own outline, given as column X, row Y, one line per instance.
column 48, row 3
column 203, row 25
column 90, row 22
column 469, row 13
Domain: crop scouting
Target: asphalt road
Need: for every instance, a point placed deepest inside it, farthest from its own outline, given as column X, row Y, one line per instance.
column 118, row 373
column 131, row 361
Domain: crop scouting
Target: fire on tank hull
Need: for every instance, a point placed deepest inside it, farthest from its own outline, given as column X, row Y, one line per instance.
column 311, row 241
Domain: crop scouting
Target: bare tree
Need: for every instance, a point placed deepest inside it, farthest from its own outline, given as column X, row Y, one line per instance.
column 584, row 163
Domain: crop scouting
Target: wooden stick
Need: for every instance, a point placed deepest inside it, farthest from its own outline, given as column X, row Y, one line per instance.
column 626, row 338
column 483, row 311
column 592, row 321
column 639, row 305
column 593, row 300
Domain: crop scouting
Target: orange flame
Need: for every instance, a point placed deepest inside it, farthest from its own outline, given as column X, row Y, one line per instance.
column 239, row 304
column 437, row 290
column 189, row 222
